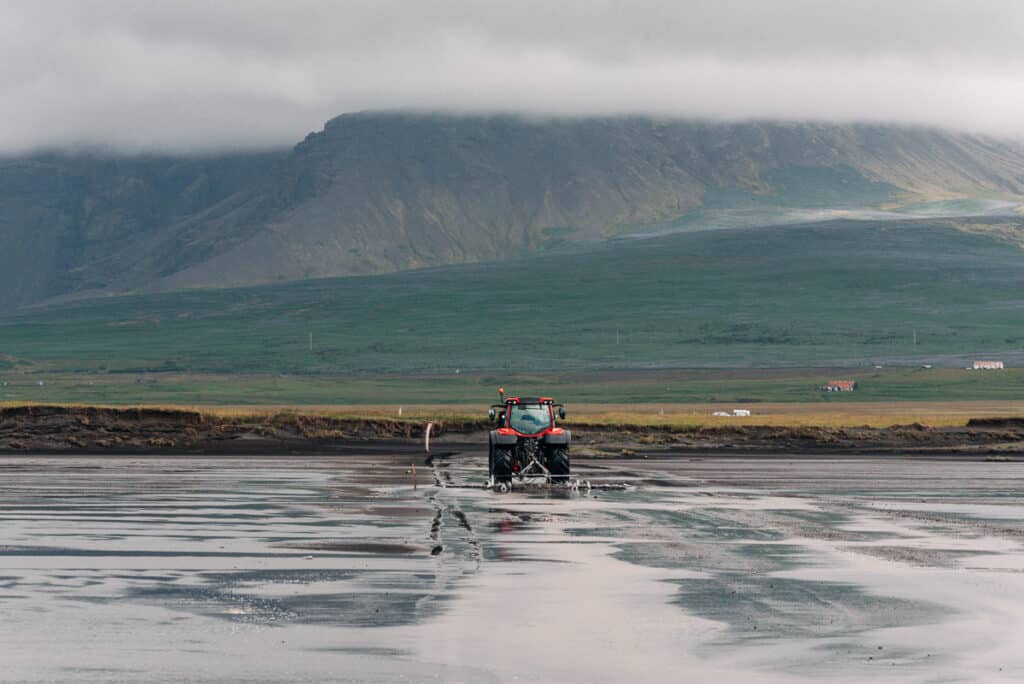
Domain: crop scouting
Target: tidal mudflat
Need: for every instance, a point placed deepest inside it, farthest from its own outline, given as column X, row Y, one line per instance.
column 336, row 568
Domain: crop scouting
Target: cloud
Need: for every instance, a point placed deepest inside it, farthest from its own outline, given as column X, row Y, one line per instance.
column 199, row 75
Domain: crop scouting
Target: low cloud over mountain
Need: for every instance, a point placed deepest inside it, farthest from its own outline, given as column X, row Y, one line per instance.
column 194, row 75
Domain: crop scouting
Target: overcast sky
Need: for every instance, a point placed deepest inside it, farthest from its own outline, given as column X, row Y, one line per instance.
column 182, row 74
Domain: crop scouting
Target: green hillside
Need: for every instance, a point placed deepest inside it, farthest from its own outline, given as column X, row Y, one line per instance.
column 836, row 293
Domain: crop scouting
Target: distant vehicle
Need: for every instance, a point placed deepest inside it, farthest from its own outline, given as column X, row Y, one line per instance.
column 526, row 441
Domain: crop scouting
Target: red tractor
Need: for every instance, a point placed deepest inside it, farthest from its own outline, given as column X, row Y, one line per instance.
column 526, row 441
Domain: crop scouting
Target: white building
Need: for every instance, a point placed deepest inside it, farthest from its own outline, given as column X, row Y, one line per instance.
column 736, row 413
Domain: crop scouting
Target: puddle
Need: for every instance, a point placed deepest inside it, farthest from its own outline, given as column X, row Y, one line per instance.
column 732, row 570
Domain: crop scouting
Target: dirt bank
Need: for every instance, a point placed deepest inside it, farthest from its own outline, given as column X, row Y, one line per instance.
column 45, row 429
column 60, row 428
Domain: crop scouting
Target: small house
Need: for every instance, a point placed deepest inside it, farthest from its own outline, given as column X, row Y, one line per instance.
column 839, row 386
column 988, row 365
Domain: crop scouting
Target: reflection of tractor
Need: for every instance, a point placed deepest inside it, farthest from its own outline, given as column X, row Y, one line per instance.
column 526, row 441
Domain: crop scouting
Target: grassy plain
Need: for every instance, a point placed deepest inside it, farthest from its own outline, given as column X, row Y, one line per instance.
column 870, row 414
column 842, row 293
column 695, row 386
column 679, row 397
column 873, row 414
column 660, row 329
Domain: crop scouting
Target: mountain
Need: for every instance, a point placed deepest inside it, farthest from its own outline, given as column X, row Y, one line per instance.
column 88, row 222
column 380, row 192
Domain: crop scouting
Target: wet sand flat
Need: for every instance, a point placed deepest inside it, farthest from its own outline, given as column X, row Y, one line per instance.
column 335, row 568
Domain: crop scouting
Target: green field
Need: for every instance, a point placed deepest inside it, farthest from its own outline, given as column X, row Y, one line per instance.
column 747, row 386
column 839, row 294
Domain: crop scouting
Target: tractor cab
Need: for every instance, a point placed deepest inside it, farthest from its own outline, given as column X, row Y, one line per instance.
column 527, row 416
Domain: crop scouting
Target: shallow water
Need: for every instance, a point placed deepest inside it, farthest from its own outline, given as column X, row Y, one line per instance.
column 336, row 568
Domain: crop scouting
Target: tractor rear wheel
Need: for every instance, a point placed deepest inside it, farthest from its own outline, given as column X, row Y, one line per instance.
column 501, row 464
column 558, row 464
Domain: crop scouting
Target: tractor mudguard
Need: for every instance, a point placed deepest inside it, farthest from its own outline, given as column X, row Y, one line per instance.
column 557, row 439
column 499, row 439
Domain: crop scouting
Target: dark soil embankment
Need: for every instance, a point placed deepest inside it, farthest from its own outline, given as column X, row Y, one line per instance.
column 46, row 429
column 144, row 430
column 1016, row 424
column 913, row 438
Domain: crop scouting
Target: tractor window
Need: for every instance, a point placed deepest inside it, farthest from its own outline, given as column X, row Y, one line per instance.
column 529, row 418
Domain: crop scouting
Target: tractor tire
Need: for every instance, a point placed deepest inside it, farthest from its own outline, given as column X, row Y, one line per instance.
column 558, row 464
column 501, row 464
